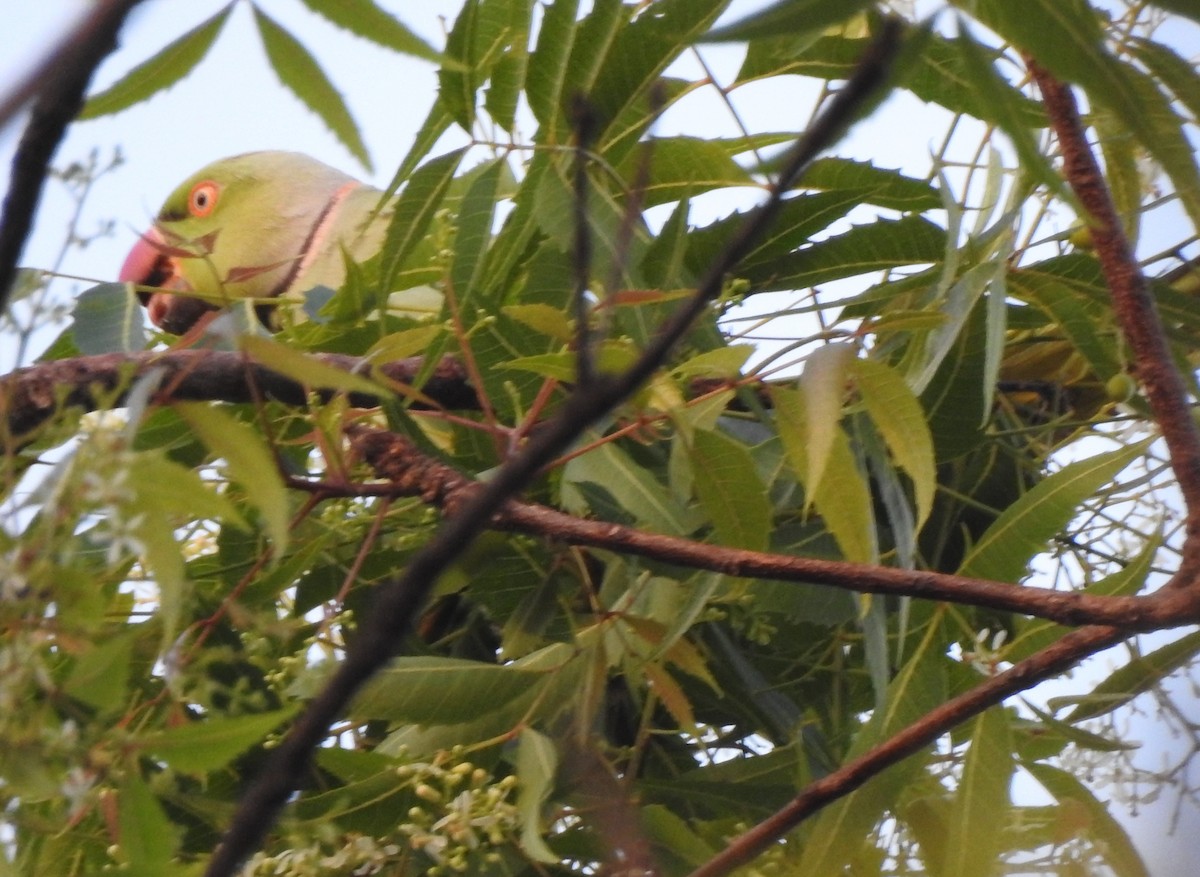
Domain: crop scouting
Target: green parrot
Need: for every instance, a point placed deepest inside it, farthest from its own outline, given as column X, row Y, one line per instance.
column 263, row 225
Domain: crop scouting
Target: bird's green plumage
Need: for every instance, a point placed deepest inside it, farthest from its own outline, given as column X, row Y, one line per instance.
column 275, row 224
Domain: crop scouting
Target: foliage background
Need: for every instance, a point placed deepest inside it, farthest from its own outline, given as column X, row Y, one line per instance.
column 108, row 502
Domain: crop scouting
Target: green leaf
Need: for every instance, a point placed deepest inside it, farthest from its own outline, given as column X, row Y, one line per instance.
column 840, row 831
column 548, row 68
column 250, row 463
column 476, row 42
column 634, row 61
column 864, row 248
column 1006, row 105
column 365, row 19
column 1022, row 530
column 1034, row 634
column 1108, row 838
column 211, row 743
column 474, row 231
column 537, row 766
column 304, row 369
column 414, row 211
column 443, row 691
column 109, row 319
column 791, row 18
column 1066, row 37
column 898, row 415
column 682, row 166
column 148, row 837
column 1128, row 681
column 979, row 815
column 844, row 499
column 882, row 186
column 508, row 76
column 101, row 673
column 823, row 383
column 1176, row 73
column 730, row 490
column 171, row 64
column 633, row 487
column 303, row 76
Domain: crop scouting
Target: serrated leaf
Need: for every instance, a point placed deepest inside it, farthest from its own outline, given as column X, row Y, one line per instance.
column 301, row 368
column 1128, row 681
column 883, row 186
column 148, row 837
column 299, row 71
column 542, row 318
column 844, row 499
column 474, row 231
column 730, row 490
column 1176, row 73
column 792, row 18
column 864, row 248
column 823, row 383
column 365, row 19
column 537, row 767
column 101, row 673
column 680, row 166
column 211, row 743
column 978, row 816
column 721, row 362
column 1006, row 105
column 443, row 691
column 548, row 63
column 634, row 488
column 173, row 62
column 837, row 833
column 108, row 319
column 250, row 463
column 414, row 211
column 1108, row 838
column 900, row 419
column 476, row 41
column 1022, row 530
column 1066, row 37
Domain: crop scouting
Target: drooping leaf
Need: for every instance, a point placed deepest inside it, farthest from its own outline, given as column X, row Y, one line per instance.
column 211, row 743
column 109, row 319
column 310, row 372
column 537, row 767
column 1022, row 530
column 250, row 462
column 148, row 837
column 299, row 71
column 823, row 383
column 414, row 211
column 898, row 415
column 173, row 62
column 730, row 490
column 1108, row 838
column 792, row 18
column 365, row 19
column 978, row 817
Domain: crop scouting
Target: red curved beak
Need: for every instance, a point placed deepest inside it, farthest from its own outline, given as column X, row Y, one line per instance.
column 151, row 263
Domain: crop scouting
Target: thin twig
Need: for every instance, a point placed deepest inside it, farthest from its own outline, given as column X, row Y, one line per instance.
column 58, row 86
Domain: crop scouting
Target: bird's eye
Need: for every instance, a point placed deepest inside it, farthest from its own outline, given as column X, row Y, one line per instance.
column 203, row 198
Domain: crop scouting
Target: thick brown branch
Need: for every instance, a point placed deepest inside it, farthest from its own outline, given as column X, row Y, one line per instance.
column 1050, row 661
column 1132, row 302
column 30, row 396
column 60, row 84
column 411, row 473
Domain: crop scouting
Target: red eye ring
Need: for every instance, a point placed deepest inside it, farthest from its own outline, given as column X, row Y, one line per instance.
column 203, row 198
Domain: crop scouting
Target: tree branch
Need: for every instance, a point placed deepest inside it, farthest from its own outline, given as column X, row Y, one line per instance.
column 411, row 473
column 1050, row 661
column 59, row 82
column 30, row 396
column 1132, row 302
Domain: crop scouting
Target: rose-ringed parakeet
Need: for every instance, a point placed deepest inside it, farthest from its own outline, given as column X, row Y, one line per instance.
column 263, row 225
